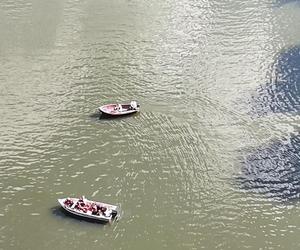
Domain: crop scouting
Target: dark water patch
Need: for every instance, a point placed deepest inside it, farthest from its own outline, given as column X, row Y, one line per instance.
column 273, row 171
column 281, row 93
column 95, row 115
column 283, row 2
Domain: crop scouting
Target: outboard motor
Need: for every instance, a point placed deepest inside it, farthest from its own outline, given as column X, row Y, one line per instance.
column 134, row 105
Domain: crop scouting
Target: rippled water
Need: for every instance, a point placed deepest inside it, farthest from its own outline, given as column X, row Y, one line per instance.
column 211, row 161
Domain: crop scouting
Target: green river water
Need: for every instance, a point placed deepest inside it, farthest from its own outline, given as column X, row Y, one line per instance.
column 196, row 68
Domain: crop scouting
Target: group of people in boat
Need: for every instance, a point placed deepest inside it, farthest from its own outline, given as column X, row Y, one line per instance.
column 86, row 206
column 133, row 106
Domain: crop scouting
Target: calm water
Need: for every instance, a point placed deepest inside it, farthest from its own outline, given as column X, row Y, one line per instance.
column 212, row 160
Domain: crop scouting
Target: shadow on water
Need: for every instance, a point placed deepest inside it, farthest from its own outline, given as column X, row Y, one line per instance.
column 60, row 212
column 281, row 94
column 273, row 171
column 95, row 115
column 102, row 116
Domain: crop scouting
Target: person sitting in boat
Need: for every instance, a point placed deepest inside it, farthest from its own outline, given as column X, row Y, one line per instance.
column 120, row 108
column 94, row 209
column 81, row 205
column 81, row 201
column 99, row 210
column 106, row 212
column 68, row 202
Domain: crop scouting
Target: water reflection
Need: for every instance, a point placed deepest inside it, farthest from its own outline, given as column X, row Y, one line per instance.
column 281, row 93
column 274, row 171
column 95, row 115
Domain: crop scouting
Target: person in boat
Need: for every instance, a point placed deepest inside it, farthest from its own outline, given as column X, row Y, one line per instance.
column 81, row 201
column 102, row 211
column 94, row 209
column 99, row 210
column 118, row 107
column 68, row 202
column 81, row 205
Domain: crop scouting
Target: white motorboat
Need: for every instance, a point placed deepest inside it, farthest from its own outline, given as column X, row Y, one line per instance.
column 88, row 209
column 120, row 109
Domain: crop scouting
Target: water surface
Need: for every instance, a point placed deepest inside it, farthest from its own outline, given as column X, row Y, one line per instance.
column 202, row 71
